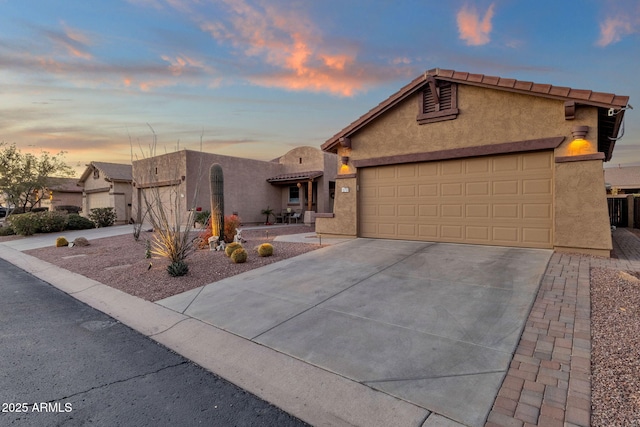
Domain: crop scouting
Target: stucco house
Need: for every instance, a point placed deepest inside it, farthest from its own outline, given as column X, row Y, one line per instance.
column 622, row 180
column 302, row 181
column 107, row 185
column 61, row 193
column 469, row 158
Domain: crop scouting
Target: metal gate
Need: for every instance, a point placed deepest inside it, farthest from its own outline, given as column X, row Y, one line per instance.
column 618, row 211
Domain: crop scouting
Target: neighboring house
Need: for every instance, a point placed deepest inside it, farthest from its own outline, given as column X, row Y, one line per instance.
column 622, row 180
column 622, row 183
column 302, row 180
column 62, row 192
column 469, row 158
column 107, row 185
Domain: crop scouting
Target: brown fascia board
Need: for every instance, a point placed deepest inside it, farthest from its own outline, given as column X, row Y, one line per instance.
column 459, row 153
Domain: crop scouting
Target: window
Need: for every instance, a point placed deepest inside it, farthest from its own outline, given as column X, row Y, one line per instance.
column 294, row 194
column 96, row 173
column 439, row 102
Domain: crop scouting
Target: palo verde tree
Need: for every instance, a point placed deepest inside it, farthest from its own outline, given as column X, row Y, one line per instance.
column 23, row 176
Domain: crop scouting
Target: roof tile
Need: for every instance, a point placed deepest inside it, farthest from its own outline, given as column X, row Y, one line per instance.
column 507, row 82
column 475, row 78
column 522, row 85
column 580, row 94
column 491, row 80
column 540, row 88
column 560, row 91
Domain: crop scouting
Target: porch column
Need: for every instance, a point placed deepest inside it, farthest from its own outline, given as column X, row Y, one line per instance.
column 309, row 194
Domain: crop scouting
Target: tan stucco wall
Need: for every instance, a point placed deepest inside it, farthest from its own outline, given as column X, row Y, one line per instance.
column 246, row 190
column 581, row 222
column 345, row 221
column 486, row 117
column 489, row 117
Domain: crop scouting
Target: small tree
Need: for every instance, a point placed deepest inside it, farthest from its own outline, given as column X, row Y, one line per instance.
column 23, row 177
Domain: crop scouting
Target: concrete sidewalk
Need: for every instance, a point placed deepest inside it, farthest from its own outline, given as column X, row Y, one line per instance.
column 366, row 332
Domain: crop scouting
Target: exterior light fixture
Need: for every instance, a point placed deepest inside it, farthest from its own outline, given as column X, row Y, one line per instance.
column 345, row 160
column 579, row 132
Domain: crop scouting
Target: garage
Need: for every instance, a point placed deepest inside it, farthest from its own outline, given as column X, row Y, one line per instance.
column 502, row 200
column 99, row 199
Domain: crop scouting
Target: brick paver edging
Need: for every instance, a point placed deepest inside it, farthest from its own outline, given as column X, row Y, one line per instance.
column 549, row 379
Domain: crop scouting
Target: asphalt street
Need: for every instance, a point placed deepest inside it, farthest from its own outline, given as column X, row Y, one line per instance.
column 65, row 363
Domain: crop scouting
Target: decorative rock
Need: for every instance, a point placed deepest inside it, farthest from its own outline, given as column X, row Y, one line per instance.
column 81, row 241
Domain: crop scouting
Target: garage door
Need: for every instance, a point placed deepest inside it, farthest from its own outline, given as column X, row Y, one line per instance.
column 495, row 200
column 98, row 200
column 161, row 199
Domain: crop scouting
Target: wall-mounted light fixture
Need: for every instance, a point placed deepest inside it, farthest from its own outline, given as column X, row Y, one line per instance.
column 579, row 132
column 345, row 160
column 345, row 141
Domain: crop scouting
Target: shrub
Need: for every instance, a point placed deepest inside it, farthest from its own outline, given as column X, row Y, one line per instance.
column 51, row 221
column 70, row 209
column 103, row 217
column 177, row 268
column 202, row 217
column 7, row 230
column 232, row 247
column 77, row 222
column 239, row 256
column 231, row 223
column 61, row 241
column 265, row 249
column 24, row 224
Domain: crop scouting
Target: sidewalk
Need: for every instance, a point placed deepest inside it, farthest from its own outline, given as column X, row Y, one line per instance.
column 549, row 382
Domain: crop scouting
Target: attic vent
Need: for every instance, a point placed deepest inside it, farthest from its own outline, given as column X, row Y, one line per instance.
column 439, row 101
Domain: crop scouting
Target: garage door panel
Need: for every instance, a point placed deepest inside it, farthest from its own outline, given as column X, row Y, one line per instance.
column 499, row 200
column 478, row 233
column 477, row 189
column 451, row 189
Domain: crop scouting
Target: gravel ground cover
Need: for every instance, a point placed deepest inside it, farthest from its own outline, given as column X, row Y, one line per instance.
column 615, row 348
column 120, row 261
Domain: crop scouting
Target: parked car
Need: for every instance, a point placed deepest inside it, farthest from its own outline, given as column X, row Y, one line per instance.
column 3, row 212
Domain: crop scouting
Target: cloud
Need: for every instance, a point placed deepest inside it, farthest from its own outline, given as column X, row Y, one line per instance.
column 613, row 29
column 293, row 48
column 473, row 29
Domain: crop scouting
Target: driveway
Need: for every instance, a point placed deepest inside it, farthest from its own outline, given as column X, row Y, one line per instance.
column 433, row 324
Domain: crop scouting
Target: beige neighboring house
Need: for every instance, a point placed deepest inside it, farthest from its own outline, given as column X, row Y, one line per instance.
column 62, row 192
column 468, row 158
column 107, row 185
column 302, row 181
column 622, row 180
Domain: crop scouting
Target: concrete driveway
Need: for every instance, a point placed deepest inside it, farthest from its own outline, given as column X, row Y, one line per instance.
column 430, row 323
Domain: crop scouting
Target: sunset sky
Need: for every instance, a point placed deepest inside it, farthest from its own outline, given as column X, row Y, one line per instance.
column 256, row 78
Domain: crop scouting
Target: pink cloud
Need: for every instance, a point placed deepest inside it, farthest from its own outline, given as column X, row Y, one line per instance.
column 472, row 28
column 291, row 44
column 613, row 29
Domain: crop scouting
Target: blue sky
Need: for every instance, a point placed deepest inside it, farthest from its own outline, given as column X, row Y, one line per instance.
column 256, row 78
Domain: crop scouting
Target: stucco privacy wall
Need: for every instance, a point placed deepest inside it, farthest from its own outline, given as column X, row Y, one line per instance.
column 246, row 190
column 487, row 117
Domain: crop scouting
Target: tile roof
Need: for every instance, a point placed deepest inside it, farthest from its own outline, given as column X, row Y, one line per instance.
column 111, row 171
column 295, row 176
column 580, row 96
column 66, row 185
column 623, row 177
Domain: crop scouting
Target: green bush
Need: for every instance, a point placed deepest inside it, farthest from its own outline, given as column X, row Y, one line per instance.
column 77, row 222
column 61, row 241
column 202, row 217
column 178, row 268
column 228, row 250
column 24, row 224
column 71, row 209
column 265, row 249
column 239, row 256
column 51, row 221
column 103, row 217
column 7, row 230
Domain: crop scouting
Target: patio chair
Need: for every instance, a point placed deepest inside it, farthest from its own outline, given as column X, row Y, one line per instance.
column 295, row 217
